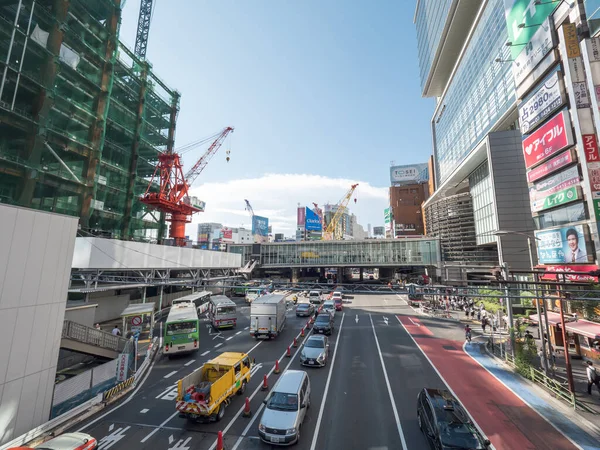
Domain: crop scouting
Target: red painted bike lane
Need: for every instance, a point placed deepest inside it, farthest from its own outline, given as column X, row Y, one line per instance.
column 506, row 420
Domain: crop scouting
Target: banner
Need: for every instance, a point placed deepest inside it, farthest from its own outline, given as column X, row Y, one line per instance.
column 313, row 222
column 387, row 213
column 301, row 216
column 540, row 44
column 528, row 13
column 409, row 174
column 562, row 245
column 557, row 182
column 559, row 198
column 227, row 233
column 570, row 276
column 260, row 226
column 122, row 366
column 538, row 105
column 549, row 139
column 550, row 166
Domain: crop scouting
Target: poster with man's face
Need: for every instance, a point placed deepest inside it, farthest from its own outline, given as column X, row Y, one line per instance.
column 562, row 245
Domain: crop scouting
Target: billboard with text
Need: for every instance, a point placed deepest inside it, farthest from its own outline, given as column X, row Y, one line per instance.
column 567, row 245
column 260, row 226
column 313, row 222
column 408, row 174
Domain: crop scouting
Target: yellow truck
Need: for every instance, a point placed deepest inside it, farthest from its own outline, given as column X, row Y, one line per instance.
column 203, row 395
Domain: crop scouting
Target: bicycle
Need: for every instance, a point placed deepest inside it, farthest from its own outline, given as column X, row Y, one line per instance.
column 468, row 336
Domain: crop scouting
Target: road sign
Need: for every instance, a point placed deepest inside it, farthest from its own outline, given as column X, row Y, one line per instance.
column 136, row 320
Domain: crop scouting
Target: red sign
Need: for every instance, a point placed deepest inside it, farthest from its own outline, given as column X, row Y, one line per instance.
column 590, row 145
column 552, row 137
column 570, row 276
column 550, row 166
column 301, row 216
column 227, row 233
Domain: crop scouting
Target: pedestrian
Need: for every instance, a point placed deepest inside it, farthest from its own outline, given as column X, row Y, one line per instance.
column 478, row 315
column 97, row 326
column 542, row 360
column 472, row 313
column 483, row 324
column 466, row 308
column 593, row 377
column 116, row 331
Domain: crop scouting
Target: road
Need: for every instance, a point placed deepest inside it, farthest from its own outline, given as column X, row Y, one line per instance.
column 365, row 397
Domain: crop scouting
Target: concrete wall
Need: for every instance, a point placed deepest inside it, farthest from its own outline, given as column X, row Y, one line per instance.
column 110, row 306
column 507, row 167
column 36, row 250
column 83, row 315
column 98, row 253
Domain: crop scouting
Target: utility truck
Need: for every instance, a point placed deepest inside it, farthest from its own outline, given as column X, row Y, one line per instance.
column 267, row 316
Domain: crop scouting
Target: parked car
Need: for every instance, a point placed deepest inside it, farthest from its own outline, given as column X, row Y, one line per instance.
column 323, row 324
column 70, row 441
column 305, row 310
column 315, row 351
column 445, row 422
column 338, row 304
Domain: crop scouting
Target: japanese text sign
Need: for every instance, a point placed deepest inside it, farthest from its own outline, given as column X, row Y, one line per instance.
column 552, row 137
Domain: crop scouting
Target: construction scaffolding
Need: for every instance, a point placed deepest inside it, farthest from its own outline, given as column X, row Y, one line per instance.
column 82, row 120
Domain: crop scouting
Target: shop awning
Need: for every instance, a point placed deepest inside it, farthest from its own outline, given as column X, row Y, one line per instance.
column 138, row 309
column 583, row 327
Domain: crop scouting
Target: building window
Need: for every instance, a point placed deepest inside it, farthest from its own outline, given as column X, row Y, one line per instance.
column 480, row 184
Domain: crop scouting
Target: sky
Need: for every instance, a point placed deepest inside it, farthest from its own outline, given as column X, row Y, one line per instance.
column 322, row 94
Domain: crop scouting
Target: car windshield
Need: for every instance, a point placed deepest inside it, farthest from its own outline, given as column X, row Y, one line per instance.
column 315, row 343
column 283, row 402
column 303, row 306
column 457, row 432
column 321, row 320
column 328, row 305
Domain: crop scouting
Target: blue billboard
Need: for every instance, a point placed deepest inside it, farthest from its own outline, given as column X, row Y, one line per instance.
column 260, row 226
column 313, row 222
column 566, row 245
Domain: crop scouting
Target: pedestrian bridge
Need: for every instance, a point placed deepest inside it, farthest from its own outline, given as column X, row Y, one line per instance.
column 367, row 253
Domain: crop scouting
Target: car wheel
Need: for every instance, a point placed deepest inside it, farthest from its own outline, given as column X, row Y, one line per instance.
column 221, row 412
column 242, row 389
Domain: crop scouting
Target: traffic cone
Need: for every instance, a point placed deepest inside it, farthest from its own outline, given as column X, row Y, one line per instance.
column 288, row 353
column 265, row 384
column 302, row 332
column 295, row 344
column 247, row 412
column 276, row 366
column 220, row 441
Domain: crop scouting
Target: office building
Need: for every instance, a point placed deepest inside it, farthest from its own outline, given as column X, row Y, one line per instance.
column 405, row 203
column 478, row 165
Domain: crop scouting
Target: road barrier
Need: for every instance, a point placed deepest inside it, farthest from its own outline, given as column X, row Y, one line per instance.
column 118, row 388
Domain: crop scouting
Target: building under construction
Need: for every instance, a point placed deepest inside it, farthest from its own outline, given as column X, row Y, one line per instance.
column 82, row 120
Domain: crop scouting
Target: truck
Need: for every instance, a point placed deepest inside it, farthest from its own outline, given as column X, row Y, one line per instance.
column 267, row 316
column 203, row 395
column 253, row 293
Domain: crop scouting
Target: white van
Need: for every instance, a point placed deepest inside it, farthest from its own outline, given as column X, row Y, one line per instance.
column 285, row 409
column 314, row 297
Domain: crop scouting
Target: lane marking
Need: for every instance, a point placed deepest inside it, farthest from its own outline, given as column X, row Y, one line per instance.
column 189, row 363
column 218, row 345
column 229, row 338
column 245, row 432
column 170, row 374
column 237, row 333
column 239, row 413
column 159, row 427
column 144, row 411
column 415, row 324
column 205, row 353
column 389, row 388
column 320, row 417
column 442, row 378
column 246, row 328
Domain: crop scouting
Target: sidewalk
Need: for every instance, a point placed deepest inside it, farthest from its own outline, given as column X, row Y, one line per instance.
column 557, row 412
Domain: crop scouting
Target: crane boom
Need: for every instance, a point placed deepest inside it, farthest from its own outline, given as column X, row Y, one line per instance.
column 249, row 208
column 341, row 207
column 143, row 28
column 193, row 173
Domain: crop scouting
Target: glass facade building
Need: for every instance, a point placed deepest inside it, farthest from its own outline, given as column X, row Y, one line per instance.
column 480, row 184
column 378, row 253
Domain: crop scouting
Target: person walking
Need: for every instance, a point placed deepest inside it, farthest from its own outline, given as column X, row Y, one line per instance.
column 484, row 323
column 116, row 331
column 593, row 377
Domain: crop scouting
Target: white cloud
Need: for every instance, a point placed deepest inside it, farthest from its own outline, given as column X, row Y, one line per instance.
column 276, row 196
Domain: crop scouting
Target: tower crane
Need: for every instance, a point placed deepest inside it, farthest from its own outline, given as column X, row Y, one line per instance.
column 332, row 228
column 173, row 195
column 143, row 28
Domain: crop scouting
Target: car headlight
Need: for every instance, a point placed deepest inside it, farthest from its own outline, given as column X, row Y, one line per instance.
column 302, row 356
column 261, row 427
column 290, row 431
column 321, row 357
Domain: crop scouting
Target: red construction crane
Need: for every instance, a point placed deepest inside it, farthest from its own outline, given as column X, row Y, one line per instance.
column 173, row 196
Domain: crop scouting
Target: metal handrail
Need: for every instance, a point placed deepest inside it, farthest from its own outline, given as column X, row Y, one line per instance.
column 92, row 336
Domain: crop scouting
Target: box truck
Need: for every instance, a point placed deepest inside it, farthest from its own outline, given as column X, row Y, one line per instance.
column 267, row 316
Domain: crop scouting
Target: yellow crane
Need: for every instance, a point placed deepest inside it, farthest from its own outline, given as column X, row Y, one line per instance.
column 333, row 231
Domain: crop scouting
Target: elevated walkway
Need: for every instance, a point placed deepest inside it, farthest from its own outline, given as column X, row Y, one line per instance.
column 87, row 340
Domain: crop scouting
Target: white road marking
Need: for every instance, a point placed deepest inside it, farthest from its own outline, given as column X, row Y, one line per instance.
column 337, row 341
column 357, row 318
column 237, row 333
column 205, row 353
column 171, row 439
column 144, row 411
column 111, row 427
column 246, row 328
column 159, row 427
column 110, row 440
column 415, row 324
column 169, row 394
column 385, row 319
column 245, row 432
column 189, row 363
column 229, row 338
column 218, row 345
column 170, row 374
column 181, row 444
column 389, row 388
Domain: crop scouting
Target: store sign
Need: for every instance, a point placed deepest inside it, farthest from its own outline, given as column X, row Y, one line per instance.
column 405, row 227
column 569, row 276
column 557, row 182
column 582, row 96
column 260, row 226
column 122, row 366
column 414, row 173
column 559, row 198
column 227, row 233
column 313, row 222
column 594, row 177
column 550, row 166
column 597, row 209
column 569, row 31
column 542, row 102
column 590, row 146
column 528, row 13
column 566, row 245
column 549, row 139
column 540, row 45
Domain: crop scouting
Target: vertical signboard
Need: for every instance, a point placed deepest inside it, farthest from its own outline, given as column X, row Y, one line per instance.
column 260, row 226
column 523, row 18
column 301, row 216
column 313, row 222
column 542, row 102
column 122, row 367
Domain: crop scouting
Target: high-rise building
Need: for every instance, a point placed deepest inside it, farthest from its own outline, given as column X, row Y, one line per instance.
column 477, row 149
column 82, row 120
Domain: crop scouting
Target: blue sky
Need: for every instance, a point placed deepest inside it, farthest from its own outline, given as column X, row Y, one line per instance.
column 324, row 92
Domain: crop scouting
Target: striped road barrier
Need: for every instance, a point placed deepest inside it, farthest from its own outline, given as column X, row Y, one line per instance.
column 118, row 388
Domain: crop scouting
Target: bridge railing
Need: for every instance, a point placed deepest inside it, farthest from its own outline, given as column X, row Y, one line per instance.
column 89, row 335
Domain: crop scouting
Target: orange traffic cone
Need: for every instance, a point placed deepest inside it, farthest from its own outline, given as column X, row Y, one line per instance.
column 220, row 441
column 302, row 332
column 276, row 367
column 247, row 412
column 265, row 385
column 288, row 353
column 295, row 344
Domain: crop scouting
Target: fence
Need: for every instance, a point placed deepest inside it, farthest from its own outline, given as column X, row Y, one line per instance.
column 88, row 335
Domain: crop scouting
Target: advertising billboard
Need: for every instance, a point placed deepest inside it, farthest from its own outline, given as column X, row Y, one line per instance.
column 260, row 226
column 202, row 237
column 227, row 233
column 551, row 166
column 540, row 44
column 557, row 182
column 313, row 222
column 557, row 199
column 387, row 214
column 301, row 216
column 542, row 102
column 549, row 139
column 563, row 245
column 408, row 174
column 378, row 231
column 528, row 13
column 590, row 145
column 570, row 276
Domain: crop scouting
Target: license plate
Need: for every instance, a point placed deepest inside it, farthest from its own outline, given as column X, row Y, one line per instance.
column 275, row 439
column 320, row 331
column 312, row 363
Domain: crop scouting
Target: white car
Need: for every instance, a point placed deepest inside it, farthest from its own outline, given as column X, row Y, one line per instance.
column 337, row 295
column 70, row 441
column 329, row 306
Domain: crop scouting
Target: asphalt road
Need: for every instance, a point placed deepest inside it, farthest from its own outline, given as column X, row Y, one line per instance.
column 365, row 398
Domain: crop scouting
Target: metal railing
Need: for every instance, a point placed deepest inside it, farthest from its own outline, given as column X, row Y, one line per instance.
column 89, row 335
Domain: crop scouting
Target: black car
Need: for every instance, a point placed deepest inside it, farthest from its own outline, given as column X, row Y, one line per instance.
column 323, row 324
column 305, row 310
column 445, row 422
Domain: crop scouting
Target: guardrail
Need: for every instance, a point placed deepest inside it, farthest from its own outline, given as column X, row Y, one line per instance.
column 89, row 335
column 556, row 386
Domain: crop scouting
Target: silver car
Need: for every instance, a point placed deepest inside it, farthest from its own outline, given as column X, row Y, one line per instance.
column 315, row 351
column 286, row 405
column 329, row 306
